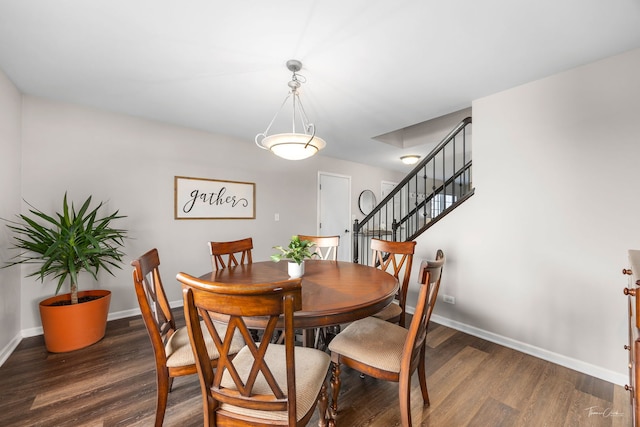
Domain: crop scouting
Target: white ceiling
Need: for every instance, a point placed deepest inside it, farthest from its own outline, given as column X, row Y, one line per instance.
column 371, row 67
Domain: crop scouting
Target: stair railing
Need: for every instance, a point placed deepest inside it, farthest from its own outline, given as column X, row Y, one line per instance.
column 437, row 184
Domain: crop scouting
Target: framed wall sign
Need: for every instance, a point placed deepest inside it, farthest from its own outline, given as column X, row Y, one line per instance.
column 201, row 198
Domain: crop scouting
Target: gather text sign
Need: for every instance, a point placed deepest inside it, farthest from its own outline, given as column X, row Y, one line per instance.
column 201, row 198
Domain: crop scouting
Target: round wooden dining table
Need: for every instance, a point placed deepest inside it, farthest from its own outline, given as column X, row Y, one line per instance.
column 333, row 292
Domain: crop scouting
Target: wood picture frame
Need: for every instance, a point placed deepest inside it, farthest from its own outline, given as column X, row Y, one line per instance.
column 203, row 198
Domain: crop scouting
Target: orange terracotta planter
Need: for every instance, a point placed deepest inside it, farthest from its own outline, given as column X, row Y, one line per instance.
column 72, row 327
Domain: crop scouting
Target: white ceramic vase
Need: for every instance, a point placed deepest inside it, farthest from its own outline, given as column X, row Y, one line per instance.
column 295, row 270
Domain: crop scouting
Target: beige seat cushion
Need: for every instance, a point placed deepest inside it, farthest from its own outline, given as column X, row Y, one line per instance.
column 389, row 312
column 178, row 347
column 373, row 341
column 311, row 369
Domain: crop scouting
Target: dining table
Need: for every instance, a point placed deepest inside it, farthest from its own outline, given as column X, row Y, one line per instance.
column 333, row 292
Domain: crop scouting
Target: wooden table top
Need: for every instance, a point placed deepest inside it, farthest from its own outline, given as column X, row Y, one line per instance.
column 333, row 292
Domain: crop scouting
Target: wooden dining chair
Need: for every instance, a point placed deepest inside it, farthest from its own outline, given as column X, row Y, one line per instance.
column 231, row 251
column 396, row 258
column 171, row 348
column 265, row 383
column 325, row 247
column 388, row 351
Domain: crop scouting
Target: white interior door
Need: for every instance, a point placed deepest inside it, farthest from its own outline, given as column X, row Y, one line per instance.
column 334, row 210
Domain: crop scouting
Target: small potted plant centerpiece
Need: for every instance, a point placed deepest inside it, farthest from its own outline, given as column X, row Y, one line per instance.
column 63, row 246
column 297, row 251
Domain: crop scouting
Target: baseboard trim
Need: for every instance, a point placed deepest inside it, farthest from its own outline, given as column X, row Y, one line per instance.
column 8, row 349
column 549, row 356
column 32, row 332
column 567, row 362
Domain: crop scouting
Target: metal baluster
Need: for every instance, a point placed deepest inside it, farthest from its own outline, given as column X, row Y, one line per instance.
column 355, row 240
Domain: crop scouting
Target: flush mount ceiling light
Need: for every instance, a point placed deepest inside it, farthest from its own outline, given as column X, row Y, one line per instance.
column 410, row 159
column 293, row 146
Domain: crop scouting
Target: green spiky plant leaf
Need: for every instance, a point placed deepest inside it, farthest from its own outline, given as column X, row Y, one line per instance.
column 297, row 251
column 68, row 243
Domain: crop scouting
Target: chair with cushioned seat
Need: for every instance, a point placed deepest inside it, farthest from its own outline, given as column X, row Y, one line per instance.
column 388, row 351
column 265, row 383
column 394, row 258
column 325, row 247
column 233, row 250
column 171, row 347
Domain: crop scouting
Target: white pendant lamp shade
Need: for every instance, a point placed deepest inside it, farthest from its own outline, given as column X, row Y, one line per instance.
column 292, row 145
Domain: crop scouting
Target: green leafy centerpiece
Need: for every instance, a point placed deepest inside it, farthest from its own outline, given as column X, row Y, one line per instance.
column 296, row 252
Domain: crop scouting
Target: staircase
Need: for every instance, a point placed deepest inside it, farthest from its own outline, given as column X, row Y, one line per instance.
column 434, row 188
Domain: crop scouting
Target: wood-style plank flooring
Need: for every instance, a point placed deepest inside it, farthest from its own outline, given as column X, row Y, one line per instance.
column 471, row 382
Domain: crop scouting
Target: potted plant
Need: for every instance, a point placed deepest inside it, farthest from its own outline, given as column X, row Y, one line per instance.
column 297, row 251
column 63, row 246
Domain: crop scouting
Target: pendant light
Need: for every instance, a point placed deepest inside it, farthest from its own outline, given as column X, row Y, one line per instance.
column 293, row 145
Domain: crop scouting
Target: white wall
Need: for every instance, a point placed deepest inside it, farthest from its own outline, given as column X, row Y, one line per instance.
column 130, row 163
column 535, row 256
column 10, row 101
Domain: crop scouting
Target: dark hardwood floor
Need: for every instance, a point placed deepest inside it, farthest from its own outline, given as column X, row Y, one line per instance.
column 471, row 383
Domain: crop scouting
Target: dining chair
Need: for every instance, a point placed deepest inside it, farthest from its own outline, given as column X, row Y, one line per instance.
column 388, row 351
column 265, row 383
column 394, row 258
column 233, row 250
column 171, row 348
column 325, row 247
